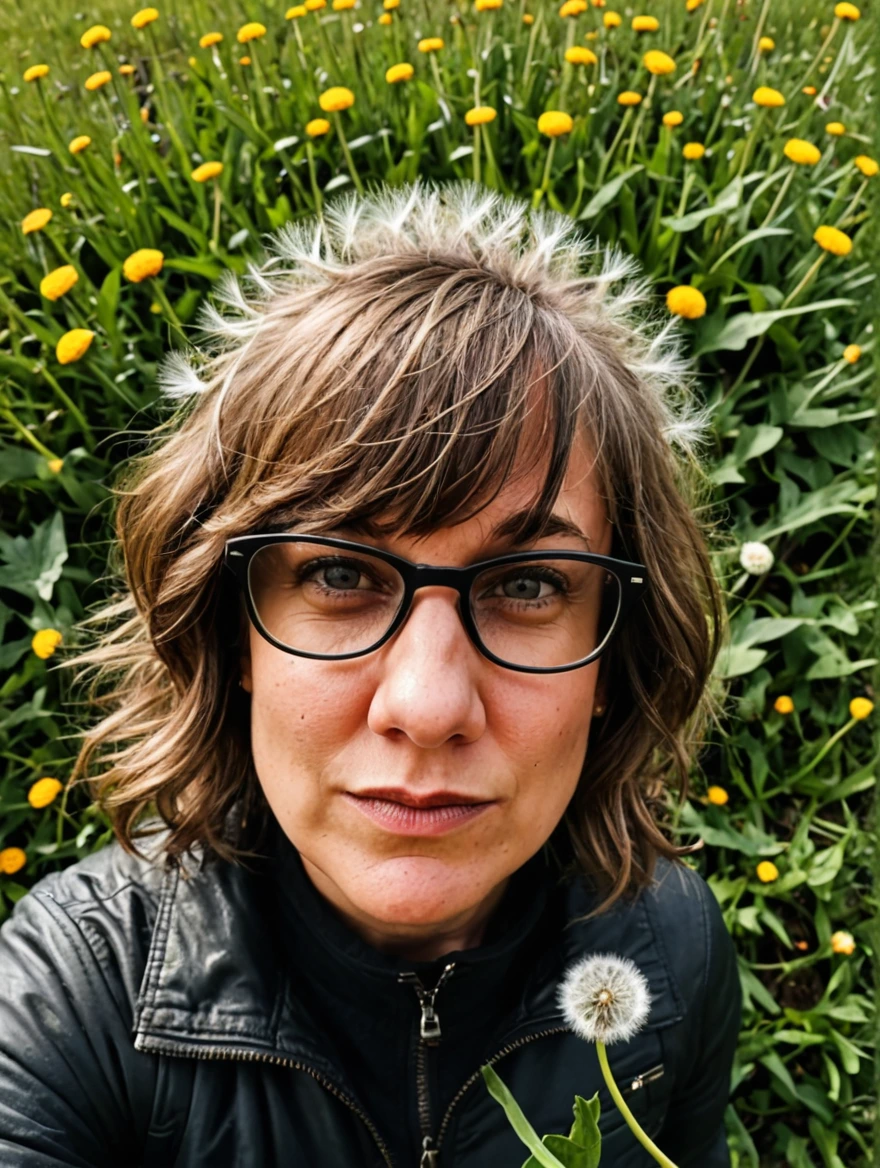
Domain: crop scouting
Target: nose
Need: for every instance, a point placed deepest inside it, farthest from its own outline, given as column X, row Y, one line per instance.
column 428, row 676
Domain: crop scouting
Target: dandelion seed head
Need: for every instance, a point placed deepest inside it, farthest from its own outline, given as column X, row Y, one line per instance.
column 604, row 998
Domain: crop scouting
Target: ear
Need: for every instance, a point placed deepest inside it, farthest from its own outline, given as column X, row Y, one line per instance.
column 246, row 676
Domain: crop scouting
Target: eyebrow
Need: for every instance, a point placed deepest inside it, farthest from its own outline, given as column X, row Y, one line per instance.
column 502, row 532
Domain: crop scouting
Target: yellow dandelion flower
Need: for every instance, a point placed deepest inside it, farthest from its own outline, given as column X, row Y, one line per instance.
column 206, row 171
column 58, row 281
column 251, row 31
column 35, row 72
column 693, row 150
column 801, row 152
column 143, row 263
column 73, row 345
column 693, row 5
column 528, row 18
column 342, row 5
column 592, row 35
column 316, row 127
column 79, row 143
column 629, row 97
column 387, row 4
column 766, row 44
column 835, row 128
column 573, row 7
column 673, row 118
column 95, row 35
column 718, row 796
column 612, row 19
column 43, row 791
column 578, row 55
column 155, row 308
column 842, row 942
column 314, row 5
column 337, row 97
column 145, row 114
column 658, row 63
column 482, row 5
column 783, row 704
column 45, row 641
column 809, row 90
column 244, row 60
column 554, row 123
column 192, row 62
column 209, row 39
column 66, row 199
column 645, row 24
column 402, row 71
column 55, row 465
column 767, row 871
column 846, row 11
column 385, row 18
column 36, row 220
column 96, row 80
column 127, row 70
column 430, row 44
column 683, row 300
column 144, row 17
column 598, row 3
column 11, row 860
column 767, row 97
column 860, row 708
column 867, row 165
column 480, row 115
column 852, row 353
column 833, row 240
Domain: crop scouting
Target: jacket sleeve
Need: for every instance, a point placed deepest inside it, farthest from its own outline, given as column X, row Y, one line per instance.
column 693, row 1132
column 66, row 1077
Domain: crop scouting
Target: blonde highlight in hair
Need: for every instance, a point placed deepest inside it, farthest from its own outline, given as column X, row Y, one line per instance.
column 379, row 367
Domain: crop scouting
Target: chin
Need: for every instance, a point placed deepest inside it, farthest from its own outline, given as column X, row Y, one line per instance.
column 418, row 890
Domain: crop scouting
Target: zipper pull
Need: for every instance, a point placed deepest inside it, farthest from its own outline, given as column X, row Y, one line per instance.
column 429, row 1157
column 429, row 1027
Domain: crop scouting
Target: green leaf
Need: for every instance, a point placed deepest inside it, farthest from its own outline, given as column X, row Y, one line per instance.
column 740, row 329
column 736, row 660
column 518, row 1121
column 753, row 441
column 728, row 200
column 108, row 302
column 33, row 565
column 607, row 192
column 181, row 224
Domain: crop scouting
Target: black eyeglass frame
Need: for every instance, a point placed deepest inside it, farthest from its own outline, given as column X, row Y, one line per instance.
column 240, row 550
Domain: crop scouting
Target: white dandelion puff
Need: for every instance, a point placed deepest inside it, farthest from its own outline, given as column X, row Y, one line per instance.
column 176, row 377
column 604, row 998
column 756, row 557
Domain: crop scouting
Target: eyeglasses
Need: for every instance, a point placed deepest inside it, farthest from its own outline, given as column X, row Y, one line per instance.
column 332, row 599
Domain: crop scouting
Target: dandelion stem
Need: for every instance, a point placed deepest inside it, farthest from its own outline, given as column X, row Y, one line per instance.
column 750, row 141
column 218, row 200
column 637, row 124
column 172, row 316
column 811, row 271
column 609, row 154
column 310, row 154
column 759, row 28
column 352, row 169
column 818, row 57
column 820, row 754
column 477, row 153
column 780, row 195
column 632, row 1123
column 545, row 181
column 68, row 402
column 855, row 202
column 531, row 48
column 25, row 433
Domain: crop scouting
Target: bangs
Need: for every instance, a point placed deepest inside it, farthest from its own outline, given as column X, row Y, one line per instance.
column 427, row 438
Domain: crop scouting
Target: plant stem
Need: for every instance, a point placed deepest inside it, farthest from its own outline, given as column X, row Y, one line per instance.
column 780, row 195
column 352, row 170
column 631, row 1121
column 818, row 57
column 218, row 200
column 545, row 181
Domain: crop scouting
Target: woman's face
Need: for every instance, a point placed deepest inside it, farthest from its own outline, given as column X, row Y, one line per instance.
column 425, row 712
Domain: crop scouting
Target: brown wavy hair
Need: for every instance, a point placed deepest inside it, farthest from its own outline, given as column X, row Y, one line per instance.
column 377, row 367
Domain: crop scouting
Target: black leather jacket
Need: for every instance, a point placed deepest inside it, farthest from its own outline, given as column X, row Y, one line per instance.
column 142, row 1023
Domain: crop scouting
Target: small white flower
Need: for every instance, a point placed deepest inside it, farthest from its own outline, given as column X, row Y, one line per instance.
column 604, row 998
column 756, row 557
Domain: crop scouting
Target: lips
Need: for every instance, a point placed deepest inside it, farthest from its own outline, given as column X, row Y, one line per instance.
column 410, row 799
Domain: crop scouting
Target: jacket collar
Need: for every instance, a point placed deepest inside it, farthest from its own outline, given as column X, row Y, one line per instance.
column 214, row 982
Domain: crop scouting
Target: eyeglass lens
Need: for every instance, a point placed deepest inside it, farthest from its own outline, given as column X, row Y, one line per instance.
column 542, row 613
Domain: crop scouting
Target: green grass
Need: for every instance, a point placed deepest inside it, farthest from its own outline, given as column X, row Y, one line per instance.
column 793, row 457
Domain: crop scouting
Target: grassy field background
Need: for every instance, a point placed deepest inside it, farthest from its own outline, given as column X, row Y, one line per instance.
column 716, row 202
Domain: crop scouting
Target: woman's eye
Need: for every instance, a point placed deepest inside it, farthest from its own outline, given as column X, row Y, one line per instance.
column 340, row 577
column 521, row 587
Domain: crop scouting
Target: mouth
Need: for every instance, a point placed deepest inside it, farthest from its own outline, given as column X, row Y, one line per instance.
column 403, row 819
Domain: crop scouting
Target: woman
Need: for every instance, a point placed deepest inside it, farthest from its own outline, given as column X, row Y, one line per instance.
column 417, row 624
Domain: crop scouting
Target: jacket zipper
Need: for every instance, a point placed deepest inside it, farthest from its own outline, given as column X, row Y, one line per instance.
column 429, row 1035
column 247, row 1056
